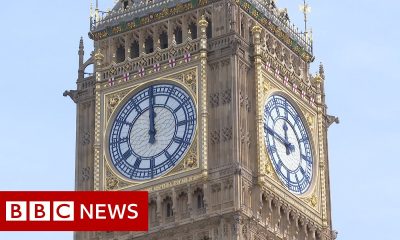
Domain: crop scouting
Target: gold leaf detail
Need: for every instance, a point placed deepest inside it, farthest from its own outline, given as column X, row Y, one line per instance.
column 268, row 168
column 112, row 183
column 267, row 86
column 314, row 200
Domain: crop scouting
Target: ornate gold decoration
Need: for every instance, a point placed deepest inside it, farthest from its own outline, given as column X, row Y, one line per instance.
column 268, row 168
column 310, row 120
column 318, row 78
column 113, row 101
column 267, row 85
column 190, row 161
column 189, row 78
column 203, row 22
column 98, row 56
column 111, row 184
column 314, row 200
column 256, row 29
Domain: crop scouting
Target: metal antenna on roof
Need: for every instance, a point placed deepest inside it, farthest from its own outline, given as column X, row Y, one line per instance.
column 306, row 9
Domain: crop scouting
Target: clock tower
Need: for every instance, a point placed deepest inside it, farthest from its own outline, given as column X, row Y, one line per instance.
column 210, row 107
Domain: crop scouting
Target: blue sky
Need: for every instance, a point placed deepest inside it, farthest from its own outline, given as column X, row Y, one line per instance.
column 356, row 40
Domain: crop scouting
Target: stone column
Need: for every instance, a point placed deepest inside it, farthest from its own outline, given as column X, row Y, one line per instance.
column 203, row 94
column 256, row 30
column 127, row 39
column 159, row 209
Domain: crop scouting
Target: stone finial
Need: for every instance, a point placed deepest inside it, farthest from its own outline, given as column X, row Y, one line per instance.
column 81, row 53
column 203, row 32
column 321, row 71
column 81, row 46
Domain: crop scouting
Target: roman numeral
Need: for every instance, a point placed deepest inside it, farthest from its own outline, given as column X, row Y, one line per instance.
column 306, row 158
column 137, row 163
column 126, row 155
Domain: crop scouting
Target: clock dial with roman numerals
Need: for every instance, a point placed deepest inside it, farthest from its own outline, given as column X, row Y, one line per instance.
column 288, row 144
column 152, row 132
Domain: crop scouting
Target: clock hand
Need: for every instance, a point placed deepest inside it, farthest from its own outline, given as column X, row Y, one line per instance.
column 277, row 136
column 152, row 115
column 288, row 149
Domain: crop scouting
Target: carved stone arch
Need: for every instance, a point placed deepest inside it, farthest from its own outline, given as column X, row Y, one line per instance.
column 86, row 64
column 176, row 25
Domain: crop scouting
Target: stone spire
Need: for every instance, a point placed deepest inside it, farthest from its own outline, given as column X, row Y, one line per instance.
column 321, row 71
column 81, row 54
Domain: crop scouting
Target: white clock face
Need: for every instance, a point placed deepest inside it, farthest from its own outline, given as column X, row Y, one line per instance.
column 288, row 144
column 152, row 132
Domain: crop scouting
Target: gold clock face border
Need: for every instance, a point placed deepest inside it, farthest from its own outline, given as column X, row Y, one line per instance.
column 135, row 89
column 292, row 101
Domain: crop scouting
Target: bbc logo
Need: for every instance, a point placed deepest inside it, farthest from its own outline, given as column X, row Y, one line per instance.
column 39, row 211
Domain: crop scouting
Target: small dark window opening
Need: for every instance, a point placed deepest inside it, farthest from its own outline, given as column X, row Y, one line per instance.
column 178, row 35
column 135, row 49
column 209, row 28
column 149, row 45
column 120, row 54
column 170, row 213
column 241, row 29
column 126, row 3
column 193, row 30
column 163, row 40
column 200, row 201
column 250, row 35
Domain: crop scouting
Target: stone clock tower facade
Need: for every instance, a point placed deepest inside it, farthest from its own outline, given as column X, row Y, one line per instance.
column 210, row 107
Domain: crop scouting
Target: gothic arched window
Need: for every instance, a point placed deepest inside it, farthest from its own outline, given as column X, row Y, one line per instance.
column 178, row 35
column 169, row 212
column 193, row 30
column 135, row 49
column 120, row 54
column 149, row 45
column 209, row 28
column 163, row 40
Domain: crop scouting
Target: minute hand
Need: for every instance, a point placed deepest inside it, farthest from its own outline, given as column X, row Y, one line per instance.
column 152, row 115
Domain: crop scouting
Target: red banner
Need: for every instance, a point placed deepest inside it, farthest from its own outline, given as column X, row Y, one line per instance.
column 73, row 211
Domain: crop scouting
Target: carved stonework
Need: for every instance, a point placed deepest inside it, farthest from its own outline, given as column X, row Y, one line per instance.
column 310, row 120
column 214, row 100
column 86, row 138
column 312, row 200
column 188, row 78
column 114, row 182
column 113, row 101
column 226, row 134
column 85, row 174
column 244, row 101
column 215, row 137
column 267, row 86
column 189, row 162
column 226, row 96
column 245, row 137
column 268, row 168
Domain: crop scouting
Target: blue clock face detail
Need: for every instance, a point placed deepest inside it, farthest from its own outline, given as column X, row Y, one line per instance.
column 288, row 144
column 152, row 132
